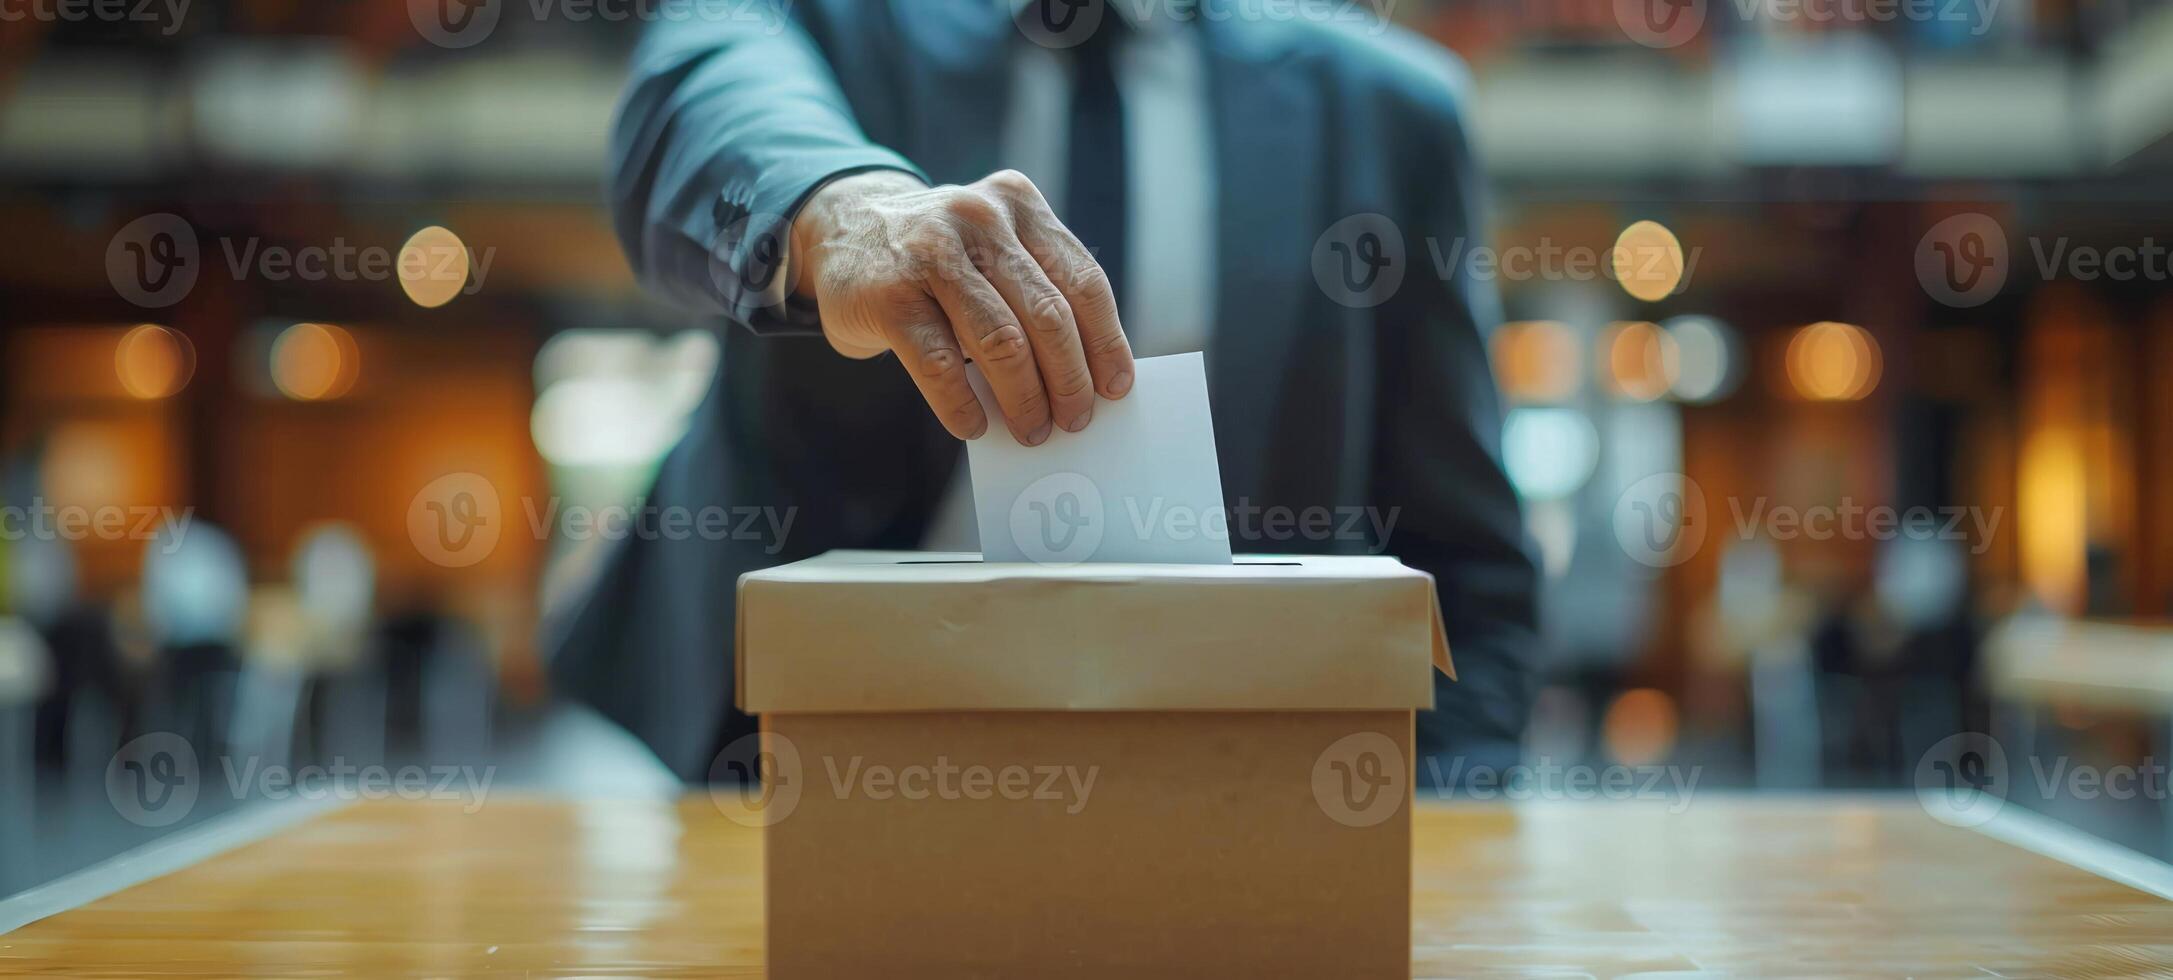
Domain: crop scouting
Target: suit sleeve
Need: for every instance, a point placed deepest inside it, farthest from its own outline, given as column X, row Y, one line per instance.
column 728, row 124
column 1440, row 461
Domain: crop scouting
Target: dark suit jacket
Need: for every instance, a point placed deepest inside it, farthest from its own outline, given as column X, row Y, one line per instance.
column 727, row 126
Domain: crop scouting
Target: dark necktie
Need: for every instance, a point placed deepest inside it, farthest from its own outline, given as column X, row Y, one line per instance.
column 1094, row 199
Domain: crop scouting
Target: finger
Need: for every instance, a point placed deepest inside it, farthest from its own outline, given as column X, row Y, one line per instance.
column 921, row 337
column 1046, row 315
column 988, row 332
column 1085, row 287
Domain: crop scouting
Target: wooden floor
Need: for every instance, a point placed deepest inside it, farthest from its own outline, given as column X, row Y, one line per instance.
column 1739, row 885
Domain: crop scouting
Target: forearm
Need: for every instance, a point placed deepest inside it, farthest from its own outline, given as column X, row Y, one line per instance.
column 724, row 131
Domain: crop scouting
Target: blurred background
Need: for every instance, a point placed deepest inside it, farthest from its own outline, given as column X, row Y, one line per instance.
column 1831, row 363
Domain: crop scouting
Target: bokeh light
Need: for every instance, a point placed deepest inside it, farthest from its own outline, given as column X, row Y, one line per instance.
column 1830, row 361
column 154, row 362
column 1639, row 360
column 90, row 464
column 1549, row 452
column 433, row 267
column 1640, row 727
column 1536, row 361
column 335, row 576
column 315, row 362
column 602, row 422
column 1648, row 261
column 617, row 398
column 1707, row 360
column 195, row 586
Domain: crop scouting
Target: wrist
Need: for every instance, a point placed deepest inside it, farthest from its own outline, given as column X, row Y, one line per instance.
column 829, row 210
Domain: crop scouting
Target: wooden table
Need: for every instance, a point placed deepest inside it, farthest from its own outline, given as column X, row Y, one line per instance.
column 1799, row 886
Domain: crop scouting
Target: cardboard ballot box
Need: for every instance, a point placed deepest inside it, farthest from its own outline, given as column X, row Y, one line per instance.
column 981, row 770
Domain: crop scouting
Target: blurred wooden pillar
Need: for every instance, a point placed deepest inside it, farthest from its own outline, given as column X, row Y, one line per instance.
column 2076, row 473
column 2154, row 471
column 210, row 316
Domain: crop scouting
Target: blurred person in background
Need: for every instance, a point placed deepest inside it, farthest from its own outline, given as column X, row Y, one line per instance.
column 1049, row 187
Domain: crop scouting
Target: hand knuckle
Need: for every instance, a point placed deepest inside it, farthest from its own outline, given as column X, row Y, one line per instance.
column 1114, row 343
column 1096, row 307
column 1049, row 327
column 1073, row 383
column 929, row 238
column 1011, row 182
column 1029, row 410
column 1088, row 275
column 937, row 363
column 965, row 411
column 1049, row 304
column 1005, row 344
column 971, row 208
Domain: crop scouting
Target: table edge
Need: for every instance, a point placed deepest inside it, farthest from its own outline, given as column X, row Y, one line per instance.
column 161, row 857
column 2079, row 849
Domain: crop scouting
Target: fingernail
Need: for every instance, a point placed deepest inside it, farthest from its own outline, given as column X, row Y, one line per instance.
column 1120, row 384
column 1081, row 421
column 980, row 429
column 1040, row 435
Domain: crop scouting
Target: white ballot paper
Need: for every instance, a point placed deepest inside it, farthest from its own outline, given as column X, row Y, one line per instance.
column 1140, row 484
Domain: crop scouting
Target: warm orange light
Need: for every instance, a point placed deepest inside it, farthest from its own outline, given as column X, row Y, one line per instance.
column 1536, row 361
column 1640, row 727
column 153, row 361
column 314, row 362
column 1831, row 361
column 1640, row 361
column 89, row 464
column 433, row 267
column 1648, row 261
column 2052, row 490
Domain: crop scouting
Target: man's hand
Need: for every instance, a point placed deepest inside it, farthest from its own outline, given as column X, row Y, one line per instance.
column 941, row 274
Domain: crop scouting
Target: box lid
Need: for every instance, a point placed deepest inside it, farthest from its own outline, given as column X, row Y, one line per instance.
column 917, row 631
